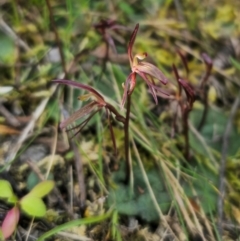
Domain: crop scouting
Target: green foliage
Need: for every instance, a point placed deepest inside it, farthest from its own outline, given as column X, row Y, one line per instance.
column 31, row 203
column 213, row 131
column 202, row 184
column 114, row 226
column 33, row 206
column 6, row 189
column 33, row 180
column 41, row 189
column 8, row 50
column 235, row 63
column 73, row 223
column 7, row 192
column 140, row 203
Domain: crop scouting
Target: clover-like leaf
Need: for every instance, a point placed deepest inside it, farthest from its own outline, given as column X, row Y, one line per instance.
column 33, row 206
column 7, row 192
column 42, row 189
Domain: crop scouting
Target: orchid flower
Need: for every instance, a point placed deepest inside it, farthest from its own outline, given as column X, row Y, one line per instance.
column 91, row 108
column 189, row 91
column 147, row 71
column 104, row 27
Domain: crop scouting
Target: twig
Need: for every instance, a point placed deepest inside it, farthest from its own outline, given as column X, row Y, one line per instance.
column 179, row 10
column 80, row 174
column 225, row 145
column 9, row 116
column 24, row 135
column 13, row 35
column 79, row 169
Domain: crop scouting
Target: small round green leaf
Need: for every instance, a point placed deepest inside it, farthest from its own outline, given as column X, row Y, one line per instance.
column 6, row 189
column 33, row 206
column 42, row 189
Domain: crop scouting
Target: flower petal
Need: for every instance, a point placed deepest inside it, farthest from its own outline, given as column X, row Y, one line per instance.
column 153, row 88
column 79, row 114
column 81, row 86
column 151, row 70
column 126, row 87
column 131, row 42
column 207, row 60
column 150, row 85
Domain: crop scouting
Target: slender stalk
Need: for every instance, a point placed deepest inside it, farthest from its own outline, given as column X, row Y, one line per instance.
column 113, row 110
column 126, row 141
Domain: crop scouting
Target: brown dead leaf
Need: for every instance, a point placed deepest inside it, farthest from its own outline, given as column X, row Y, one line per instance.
column 7, row 130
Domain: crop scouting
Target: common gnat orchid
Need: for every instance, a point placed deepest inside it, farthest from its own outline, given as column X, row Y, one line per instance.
column 92, row 107
column 147, row 71
column 184, row 84
column 190, row 93
column 106, row 27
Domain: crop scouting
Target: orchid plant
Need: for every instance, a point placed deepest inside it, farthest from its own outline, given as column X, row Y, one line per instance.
column 106, row 27
column 191, row 92
column 147, row 71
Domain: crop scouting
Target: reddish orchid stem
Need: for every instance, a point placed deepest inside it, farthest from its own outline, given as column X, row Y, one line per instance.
column 109, row 117
column 113, row 110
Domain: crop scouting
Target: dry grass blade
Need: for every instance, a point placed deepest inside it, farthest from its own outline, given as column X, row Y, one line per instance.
column 183, row 202
column 24, row 135
column 150, row 190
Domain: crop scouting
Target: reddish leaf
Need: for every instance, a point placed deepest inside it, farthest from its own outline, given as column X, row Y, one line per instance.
column 10, row 222
column 84, row 87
